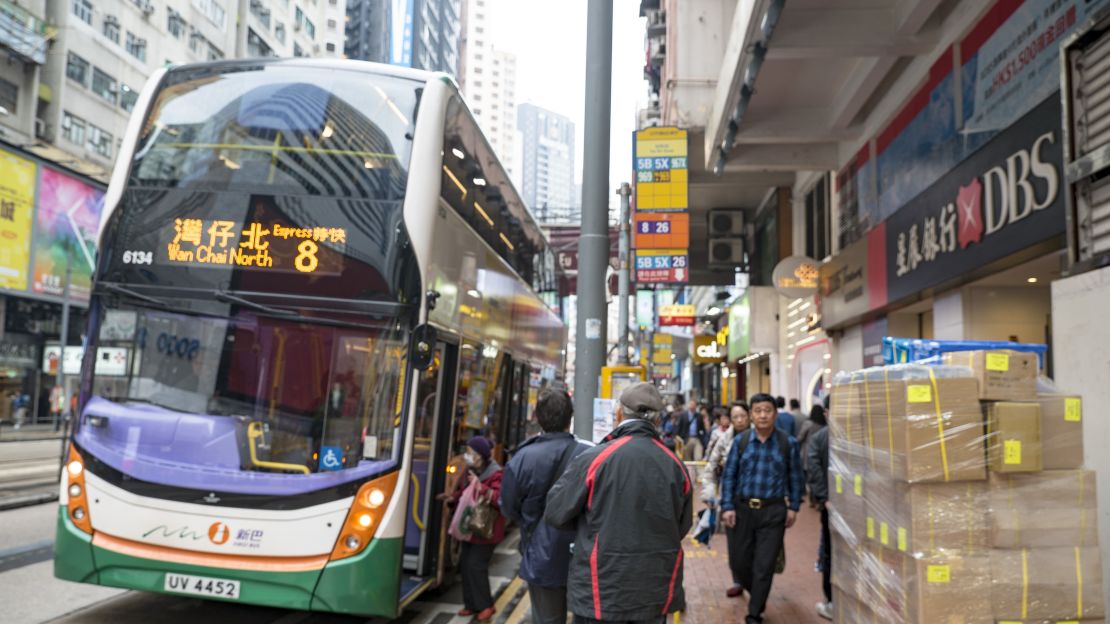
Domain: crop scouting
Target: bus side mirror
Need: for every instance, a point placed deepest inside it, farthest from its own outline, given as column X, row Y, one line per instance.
column 422, row 349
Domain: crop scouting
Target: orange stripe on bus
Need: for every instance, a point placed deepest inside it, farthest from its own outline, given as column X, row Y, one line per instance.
column 214, row 560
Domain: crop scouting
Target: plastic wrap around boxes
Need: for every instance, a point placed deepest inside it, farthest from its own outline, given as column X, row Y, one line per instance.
column 957, row 496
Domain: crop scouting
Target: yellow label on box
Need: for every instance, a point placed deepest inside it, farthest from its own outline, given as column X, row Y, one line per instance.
column 998, row 362
column 884, row 534
column 870, row 527
column 919, row 394
column 1011, row 452
column 857, row 487
column 1061, row 622
column 938, row 574
column 839, row 484
column 902, row 539
column 1073, row 410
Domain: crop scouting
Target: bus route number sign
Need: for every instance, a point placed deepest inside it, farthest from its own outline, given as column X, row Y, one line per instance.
column 253, row 245
column 662, row 266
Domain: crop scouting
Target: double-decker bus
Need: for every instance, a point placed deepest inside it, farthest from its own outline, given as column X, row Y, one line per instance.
column 314, row 284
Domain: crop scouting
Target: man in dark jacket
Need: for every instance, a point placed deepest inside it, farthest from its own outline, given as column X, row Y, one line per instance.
column 630, row 500
column 538, row 463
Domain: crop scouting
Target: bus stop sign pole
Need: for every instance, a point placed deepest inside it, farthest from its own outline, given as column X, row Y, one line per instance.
column 593, row 245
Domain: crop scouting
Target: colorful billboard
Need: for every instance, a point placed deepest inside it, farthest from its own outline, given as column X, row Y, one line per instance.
column 66, row 222
column 17, row 202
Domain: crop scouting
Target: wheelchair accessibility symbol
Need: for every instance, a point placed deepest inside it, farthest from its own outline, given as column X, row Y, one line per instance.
column 331, row 458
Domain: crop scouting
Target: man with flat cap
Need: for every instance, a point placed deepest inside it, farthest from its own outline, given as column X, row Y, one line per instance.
column 629, row 501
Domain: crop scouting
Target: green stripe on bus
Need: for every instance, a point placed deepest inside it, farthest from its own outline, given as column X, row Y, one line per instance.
column 366, row 584
column 73, row 560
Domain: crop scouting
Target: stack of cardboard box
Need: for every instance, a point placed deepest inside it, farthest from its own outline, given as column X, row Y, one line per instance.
column 958, row 495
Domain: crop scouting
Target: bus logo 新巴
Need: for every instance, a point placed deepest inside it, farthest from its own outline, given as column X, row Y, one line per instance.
column 219, row 533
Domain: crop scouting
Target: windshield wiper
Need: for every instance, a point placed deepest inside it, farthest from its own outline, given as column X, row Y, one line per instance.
column 127, row 292
column 247, row 303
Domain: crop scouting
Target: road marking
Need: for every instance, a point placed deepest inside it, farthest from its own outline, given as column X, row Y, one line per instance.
column 523, row 608
column 23, row 556
column 509, row 594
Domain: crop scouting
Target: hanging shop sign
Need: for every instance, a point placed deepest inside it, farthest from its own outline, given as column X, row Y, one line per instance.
column 678, row 315
column 853, row 281
column 1004, row 198
column 662, row 266
column 661, row 169
column 707, row 350
column 663, row 348
column 796, row 277
column 661, row 230
column 17, row 203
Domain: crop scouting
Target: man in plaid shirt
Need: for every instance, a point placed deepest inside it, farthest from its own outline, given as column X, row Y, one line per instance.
column 761, row 492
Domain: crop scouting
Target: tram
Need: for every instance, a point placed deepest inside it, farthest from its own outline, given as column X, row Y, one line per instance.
column 314, row 283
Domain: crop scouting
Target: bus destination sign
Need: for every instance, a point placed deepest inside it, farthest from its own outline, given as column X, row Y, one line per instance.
column 251, row 245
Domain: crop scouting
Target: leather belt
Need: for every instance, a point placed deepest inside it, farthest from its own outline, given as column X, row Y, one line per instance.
column 760, row 503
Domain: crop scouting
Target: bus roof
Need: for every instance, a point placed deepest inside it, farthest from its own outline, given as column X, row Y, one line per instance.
column 383, row 69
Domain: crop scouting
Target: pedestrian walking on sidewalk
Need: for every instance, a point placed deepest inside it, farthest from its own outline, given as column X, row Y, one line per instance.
column 711, row 478
column 785, row 420
column 817, row 472
column 484, row 475
column 761, row 492
column 529, row 475
column 630, row 501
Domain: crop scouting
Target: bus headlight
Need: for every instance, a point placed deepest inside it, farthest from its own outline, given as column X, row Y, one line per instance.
column 352, row 542
column 375, row 498
column 75, row 468
column 74, row 490
column 365, row 520
column 79, row 513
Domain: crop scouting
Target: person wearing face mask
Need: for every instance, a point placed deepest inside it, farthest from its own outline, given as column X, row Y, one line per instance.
column 477, row 552
column 740, row 421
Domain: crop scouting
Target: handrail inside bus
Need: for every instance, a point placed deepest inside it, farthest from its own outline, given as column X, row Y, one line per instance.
column 254, row 431
column 276, row 148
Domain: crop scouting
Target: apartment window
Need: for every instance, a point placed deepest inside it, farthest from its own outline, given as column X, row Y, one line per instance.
column 73, row 129
column 213, row 10
column 136, row 46
column 297, row 51
column 9, row 96
column 261, row 12
column 305, row 24
column 104, row 85
column 817, row 218
column 256, row 47
column 214, row 53
column 279, row 31
column 100, row 141
column 175, row 23
column 331, row 24
column 127, row 97
column 77, row 69
column 197, row 42
column 111, row 29
column 83, row 10
column 330, row 47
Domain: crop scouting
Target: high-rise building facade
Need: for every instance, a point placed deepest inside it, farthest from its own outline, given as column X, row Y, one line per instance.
column 547, row 164
column 488, row 81
column 423, row 34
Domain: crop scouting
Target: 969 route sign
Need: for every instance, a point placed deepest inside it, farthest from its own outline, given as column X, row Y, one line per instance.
column 662, row 266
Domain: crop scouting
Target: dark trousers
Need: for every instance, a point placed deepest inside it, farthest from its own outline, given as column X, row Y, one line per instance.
column 756, row 545
column 549, row 604
column 824, row 561
column 581, row 620
column 474, row 569
column 733, row 563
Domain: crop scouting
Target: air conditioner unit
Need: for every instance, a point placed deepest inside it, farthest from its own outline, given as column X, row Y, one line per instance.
column 726, row 252
column 726, row 222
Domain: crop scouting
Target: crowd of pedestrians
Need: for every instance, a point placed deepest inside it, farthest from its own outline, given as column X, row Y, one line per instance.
column 601, row 526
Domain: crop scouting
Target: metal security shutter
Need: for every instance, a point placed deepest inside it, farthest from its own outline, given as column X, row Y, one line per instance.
column 1086, row 90
column 1090, row 95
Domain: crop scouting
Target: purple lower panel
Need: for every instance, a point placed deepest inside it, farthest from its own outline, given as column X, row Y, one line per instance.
column 196, row 451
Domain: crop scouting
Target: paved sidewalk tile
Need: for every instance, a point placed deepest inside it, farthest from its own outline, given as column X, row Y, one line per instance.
column 793, row 594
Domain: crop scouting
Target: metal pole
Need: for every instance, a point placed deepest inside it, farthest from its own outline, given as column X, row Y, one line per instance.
column 650, row 336
column 593, row 244
column 623, row 277
column 59, row 380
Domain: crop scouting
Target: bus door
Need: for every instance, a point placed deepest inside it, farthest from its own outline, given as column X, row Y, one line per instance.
column 426, row 522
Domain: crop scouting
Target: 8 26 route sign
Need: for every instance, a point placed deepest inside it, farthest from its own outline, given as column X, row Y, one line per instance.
column 662, row 266
column 661, row 230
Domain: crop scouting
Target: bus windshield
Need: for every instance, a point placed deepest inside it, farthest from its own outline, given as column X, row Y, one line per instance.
column 178, row 397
